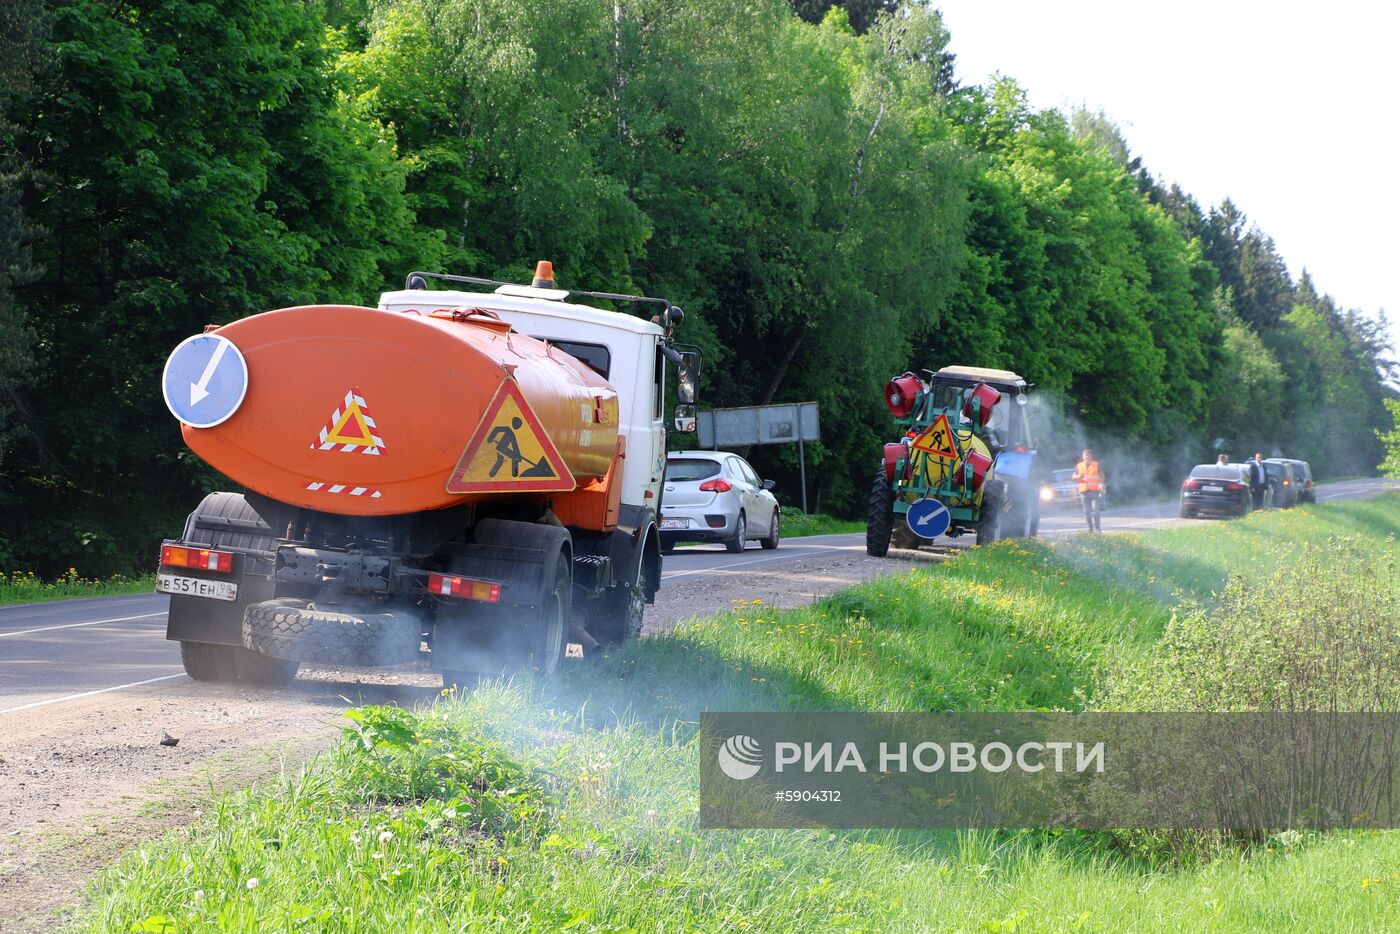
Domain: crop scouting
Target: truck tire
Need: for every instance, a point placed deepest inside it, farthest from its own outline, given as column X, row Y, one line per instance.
column 547, row 631
column 879, row 521
column 205, row 661
column 616, row 616
column 740, row 538
column 989, row 527
column 282, row 629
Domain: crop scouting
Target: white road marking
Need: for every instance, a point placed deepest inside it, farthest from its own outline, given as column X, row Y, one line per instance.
column 740, row 564
column 68, row 697
column 95, row 622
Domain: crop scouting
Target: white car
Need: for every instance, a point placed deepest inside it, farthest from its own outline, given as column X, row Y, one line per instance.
column 713, row 496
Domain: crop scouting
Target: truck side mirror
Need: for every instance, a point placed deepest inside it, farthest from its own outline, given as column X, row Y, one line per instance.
column 688, row 380
column 685, row 418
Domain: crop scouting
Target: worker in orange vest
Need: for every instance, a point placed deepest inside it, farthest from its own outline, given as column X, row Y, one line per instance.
column 1089, row 475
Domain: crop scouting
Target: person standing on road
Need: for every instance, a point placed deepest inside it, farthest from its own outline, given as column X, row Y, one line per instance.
column 1223, row 460
column 1089, row 475
column 1258, row 480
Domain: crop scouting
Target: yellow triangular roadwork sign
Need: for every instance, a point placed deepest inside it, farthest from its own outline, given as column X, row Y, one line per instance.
column 937, row 440
column 510, row 451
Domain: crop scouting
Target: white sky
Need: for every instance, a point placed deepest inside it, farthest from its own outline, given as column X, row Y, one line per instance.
column 1289, row 109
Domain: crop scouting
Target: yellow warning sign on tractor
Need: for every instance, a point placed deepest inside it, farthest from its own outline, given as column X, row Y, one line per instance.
column 937, row 440
column 510, row 452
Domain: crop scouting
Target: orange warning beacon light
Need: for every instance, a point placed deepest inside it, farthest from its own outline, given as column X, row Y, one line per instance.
column 544, row 275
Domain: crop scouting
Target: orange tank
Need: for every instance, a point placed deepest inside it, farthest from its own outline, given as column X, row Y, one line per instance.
column 365, row 412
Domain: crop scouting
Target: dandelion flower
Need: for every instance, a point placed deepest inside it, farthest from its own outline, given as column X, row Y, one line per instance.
column 386, row 836
column 252, row 884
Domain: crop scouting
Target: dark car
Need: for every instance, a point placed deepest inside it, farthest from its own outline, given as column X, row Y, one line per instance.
column 1216, row 489
column 1060, row 491
column 1285, row 485
column 1303, row 472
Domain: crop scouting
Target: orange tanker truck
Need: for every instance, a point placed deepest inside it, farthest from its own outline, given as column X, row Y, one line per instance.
column 469, row 472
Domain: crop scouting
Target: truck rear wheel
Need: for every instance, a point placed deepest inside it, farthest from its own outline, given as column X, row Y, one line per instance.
column 547, row 632
column 205, row 661
column 282, row 629
column 616, row 616
column 879, row 521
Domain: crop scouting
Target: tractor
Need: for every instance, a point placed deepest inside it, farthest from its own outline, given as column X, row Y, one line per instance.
column 964, row 464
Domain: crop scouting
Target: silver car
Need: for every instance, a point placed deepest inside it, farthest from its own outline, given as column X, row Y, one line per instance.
column 712, row 496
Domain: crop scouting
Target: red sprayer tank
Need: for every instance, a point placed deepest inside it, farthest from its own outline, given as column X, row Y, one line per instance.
column 364, row 412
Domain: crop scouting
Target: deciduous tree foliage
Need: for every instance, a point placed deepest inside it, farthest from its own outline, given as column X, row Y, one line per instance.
column 825, row 201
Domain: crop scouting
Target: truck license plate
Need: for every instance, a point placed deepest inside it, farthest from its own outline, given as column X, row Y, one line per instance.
column 674, row 523
column 1213, row 489
column 196, row 587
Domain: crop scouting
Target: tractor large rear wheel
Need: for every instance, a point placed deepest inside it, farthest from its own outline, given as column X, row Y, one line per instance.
column 989, row 528
column 879, row 522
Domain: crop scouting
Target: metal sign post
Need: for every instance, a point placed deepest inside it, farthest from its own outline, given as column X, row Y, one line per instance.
column 763, row 424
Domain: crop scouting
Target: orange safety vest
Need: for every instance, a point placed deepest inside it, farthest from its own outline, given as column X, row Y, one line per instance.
column 1089, row 477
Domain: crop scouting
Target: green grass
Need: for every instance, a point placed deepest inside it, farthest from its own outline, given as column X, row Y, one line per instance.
column 534, row 806
column 796, row 524
column 25, row 587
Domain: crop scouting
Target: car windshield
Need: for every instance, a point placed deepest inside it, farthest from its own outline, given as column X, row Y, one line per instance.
column 1215, row 472
column 690, row 469
column 1060, row 476
column 1274, row 470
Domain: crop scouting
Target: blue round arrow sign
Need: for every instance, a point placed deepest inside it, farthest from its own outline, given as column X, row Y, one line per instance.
column 205, row 380
column 928, row 518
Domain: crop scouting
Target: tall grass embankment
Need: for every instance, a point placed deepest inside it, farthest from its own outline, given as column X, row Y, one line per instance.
column 572, row 804
column 26, row 587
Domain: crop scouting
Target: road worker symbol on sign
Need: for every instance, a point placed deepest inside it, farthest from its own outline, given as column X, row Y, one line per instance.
column 510, row 451
column 937, row 440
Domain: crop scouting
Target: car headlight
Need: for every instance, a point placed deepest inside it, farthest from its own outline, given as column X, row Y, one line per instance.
column 1047, row 493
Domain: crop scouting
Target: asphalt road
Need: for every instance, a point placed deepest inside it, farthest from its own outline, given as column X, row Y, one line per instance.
column 62, row 652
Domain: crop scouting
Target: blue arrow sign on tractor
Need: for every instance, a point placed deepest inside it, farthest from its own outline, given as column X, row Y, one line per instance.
column 928, row 518
column 205, row 380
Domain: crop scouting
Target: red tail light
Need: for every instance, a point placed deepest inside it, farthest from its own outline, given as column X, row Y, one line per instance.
column 465, row 588
column 1191, row 485
column 717, row 485
column 1236, row 486
column 202, row 558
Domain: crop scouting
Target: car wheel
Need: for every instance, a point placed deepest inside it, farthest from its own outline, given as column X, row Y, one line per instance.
column 740, row 539
column 770, row 541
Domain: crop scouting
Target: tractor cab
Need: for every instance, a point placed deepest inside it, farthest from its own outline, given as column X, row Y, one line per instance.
column 964, row 463
column 1009, row 426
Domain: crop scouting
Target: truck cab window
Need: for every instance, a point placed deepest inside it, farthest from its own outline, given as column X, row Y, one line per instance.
column 596, row 357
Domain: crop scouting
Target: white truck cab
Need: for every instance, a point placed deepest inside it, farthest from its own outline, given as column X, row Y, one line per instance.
column 624, row 349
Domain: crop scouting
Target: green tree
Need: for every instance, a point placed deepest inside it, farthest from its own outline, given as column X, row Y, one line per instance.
column 1391, row 439
column 23, row 53
column 194, row 164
